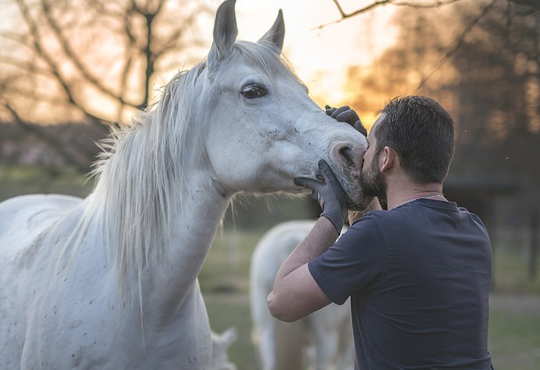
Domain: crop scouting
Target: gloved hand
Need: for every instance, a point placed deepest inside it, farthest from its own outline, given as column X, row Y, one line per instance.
column 329, row 194
column 348, row 115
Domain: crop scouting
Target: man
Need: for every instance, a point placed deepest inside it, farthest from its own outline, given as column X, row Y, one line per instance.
column 419, row 273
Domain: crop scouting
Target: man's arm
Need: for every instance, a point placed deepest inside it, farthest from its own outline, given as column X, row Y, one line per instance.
column 296, row 294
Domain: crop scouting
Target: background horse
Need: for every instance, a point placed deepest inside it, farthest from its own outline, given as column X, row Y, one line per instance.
column 110, row 282
column 322, row 340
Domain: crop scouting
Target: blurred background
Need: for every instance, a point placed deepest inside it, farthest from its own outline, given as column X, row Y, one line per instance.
column 71, row 68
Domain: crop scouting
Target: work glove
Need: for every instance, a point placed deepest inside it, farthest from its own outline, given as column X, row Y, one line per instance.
column 348, row 115
column 329, row 194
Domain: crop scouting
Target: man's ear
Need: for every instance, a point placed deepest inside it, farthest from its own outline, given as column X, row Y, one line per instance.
column 389, row 159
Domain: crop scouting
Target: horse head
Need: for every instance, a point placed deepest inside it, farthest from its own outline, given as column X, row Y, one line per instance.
column 263, row 129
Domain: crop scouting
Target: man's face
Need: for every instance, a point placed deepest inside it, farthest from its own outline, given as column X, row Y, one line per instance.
column 372, row 180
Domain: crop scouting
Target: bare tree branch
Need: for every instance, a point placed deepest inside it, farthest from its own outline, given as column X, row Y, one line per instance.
column 23, row 64
column 461, row 39
column 72, row 56
column 433, row 4
column 137, row 27
column 36, row 41
column 361, row 10
column 378, row 3
column 534, row 4
column 105, row 8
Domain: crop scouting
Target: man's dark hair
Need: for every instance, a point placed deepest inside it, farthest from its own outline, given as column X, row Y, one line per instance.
column 422, row 134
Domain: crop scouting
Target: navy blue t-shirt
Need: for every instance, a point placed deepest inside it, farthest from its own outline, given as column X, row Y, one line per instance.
column 419, row 278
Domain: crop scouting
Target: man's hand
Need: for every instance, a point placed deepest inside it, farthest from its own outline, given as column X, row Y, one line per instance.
column 348, row 115
column 329, row 194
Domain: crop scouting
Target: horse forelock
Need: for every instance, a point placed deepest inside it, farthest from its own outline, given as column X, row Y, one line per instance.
column 265, row 57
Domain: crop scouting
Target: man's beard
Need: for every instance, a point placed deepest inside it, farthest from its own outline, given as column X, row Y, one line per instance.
column 373, row 182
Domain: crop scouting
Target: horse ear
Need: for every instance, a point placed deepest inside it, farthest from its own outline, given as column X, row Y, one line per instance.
column 225, row 31
column 276, row 33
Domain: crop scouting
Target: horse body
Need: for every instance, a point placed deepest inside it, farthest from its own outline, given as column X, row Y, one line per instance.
column 76, row 318
column 323, row 339
column 110, row 282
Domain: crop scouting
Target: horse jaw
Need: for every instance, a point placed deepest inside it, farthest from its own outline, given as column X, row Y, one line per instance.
column 296, row 120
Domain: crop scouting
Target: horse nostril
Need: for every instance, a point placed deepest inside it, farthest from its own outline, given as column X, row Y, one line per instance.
column 347, row 154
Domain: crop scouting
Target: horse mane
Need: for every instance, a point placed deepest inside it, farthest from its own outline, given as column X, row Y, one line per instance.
column 138, row 177
column 139, row 172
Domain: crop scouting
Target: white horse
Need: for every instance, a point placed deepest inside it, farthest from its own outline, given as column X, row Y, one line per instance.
column 322, row 340
column 110, row 282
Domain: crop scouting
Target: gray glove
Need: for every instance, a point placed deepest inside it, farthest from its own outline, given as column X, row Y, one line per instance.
column 348, row 115
column 329, row 194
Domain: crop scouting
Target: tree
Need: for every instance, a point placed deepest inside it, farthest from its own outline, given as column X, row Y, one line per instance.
column 92, row 60
column 487, row 77
column 470, row 49
column 497, row 95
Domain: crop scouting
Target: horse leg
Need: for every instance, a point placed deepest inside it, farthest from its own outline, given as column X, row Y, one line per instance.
column 267, row 348
column 290, row 344
column 346, row 351
column 263, row 333
column 326, row 338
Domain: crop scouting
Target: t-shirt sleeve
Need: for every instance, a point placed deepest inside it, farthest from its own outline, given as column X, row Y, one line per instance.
column 353, row 264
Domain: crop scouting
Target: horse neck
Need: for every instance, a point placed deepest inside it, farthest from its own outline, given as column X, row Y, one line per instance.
column 194, row 226
column 167, row 283
column 157, row 206
column 162, row 271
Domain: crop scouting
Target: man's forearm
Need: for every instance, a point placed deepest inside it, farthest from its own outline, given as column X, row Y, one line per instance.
column 296, row 294
column 319, row 239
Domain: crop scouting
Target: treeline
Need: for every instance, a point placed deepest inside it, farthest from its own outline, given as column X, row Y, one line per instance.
column 56, row 146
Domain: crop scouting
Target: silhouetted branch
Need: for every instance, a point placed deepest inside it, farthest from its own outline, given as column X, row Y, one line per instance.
column 45, row 53
column 433, row 4
column 533, row 4
column 375, row 4
column 459, row 42
column 73, row 57
column 361, row 10
column 47, row 58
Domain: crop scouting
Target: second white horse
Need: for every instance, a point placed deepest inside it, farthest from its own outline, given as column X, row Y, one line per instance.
column 323, row 339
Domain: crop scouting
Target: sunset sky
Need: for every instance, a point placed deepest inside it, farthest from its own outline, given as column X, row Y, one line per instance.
column 321, row 55
column 319, row 46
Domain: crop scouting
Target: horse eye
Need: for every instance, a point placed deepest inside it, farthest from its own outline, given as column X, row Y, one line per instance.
column 253, row 91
